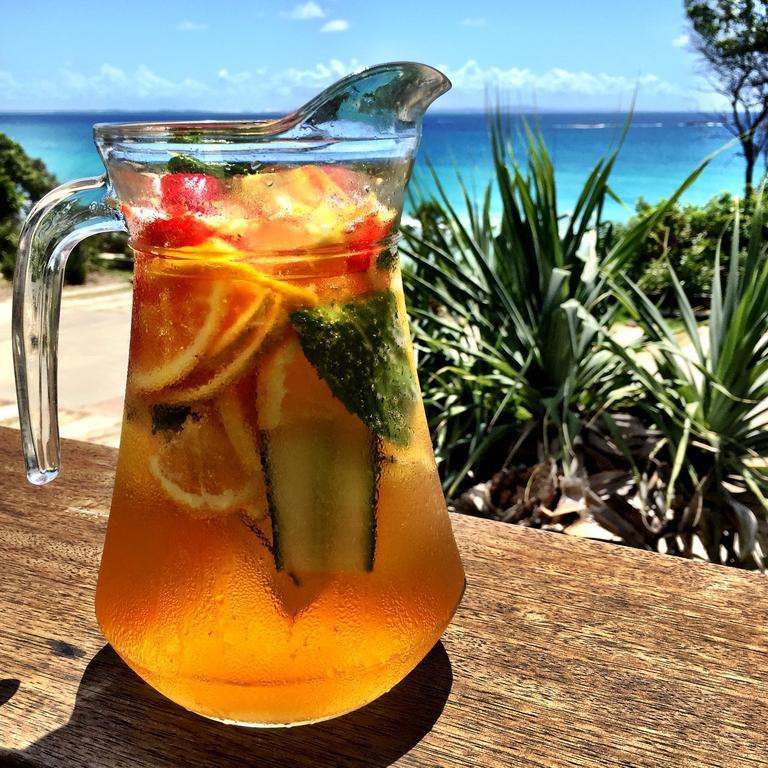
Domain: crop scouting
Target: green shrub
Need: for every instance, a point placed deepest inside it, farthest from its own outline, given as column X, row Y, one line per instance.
column 9, row 238
column 508, row 318
column 85, row 254
column 23, row 181
column 706, row 390
column 80, row 261
column 686, row 237
column 22, row 178
column 663, row 441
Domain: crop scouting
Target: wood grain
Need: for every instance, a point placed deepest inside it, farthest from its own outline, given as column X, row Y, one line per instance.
column 563, row 653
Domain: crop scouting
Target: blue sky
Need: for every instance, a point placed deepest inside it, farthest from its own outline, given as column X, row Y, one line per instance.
column 233, row 55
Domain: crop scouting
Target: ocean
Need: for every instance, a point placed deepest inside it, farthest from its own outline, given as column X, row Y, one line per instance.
column 658, row 153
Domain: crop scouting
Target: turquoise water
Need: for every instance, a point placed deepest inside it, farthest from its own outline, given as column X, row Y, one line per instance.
column 660, row 150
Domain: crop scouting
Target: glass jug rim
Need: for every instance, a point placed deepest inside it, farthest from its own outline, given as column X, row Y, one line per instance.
column 194, row 131
column 219, row 131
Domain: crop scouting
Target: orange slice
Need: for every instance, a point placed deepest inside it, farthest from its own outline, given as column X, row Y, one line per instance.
column 295, row 209
column 289, row 389
column 201, row 470
column 174, row 323
column 296, row 191
column 239, row 432
column 220, row 373
column 243, row 276
column 198, row 323
column 238, row 421
column 240, row 322
column 272, row 382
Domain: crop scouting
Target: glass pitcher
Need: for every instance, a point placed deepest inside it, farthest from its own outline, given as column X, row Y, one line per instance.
column 278, row 549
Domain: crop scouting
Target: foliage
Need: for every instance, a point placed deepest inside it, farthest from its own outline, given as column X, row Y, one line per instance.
column 686, row 236
column 508, row 317
column 9, row 237
column 23, row 181
column 85, row 254
column 80, row 261
column 662, row 441
column 708, row 395
column 732, row 38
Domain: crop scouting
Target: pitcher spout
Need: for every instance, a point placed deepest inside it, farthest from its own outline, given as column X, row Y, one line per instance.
column 383, row 100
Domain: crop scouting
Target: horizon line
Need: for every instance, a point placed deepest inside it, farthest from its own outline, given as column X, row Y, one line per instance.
column 449, row 111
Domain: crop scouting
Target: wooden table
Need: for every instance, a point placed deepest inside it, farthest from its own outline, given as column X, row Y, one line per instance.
column 563, row 653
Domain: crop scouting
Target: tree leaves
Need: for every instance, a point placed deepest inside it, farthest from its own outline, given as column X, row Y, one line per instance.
column 732, row 37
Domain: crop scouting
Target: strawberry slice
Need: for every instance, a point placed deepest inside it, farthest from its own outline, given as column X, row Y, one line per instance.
column 369, row 231
column 175, row 232
column 348, row 181
column 193, row 192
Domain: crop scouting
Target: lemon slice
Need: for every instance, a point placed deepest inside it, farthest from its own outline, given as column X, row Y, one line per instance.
column 243, row 440
column 271, row 386
column 206, row 504
column 239, row 434
column 226, row 269
column 293, row 294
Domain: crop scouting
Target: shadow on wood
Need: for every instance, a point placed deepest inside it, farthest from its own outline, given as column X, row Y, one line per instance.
column 8, row 688
column 118, row 720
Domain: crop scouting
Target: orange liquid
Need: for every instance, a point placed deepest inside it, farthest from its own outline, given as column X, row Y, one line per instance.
column 190, row 593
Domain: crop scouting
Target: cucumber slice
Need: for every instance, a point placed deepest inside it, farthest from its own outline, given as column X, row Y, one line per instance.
column 322, row 482
column 321, row 469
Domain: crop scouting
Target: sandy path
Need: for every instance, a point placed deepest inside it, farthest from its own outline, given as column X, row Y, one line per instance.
column 93, row 359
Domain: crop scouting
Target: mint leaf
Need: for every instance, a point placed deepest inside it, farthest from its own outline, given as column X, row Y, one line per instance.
column 242, row 168
column 190, row 164
column 169, row 419
column 359, row 351
column 186, row 137
column 387, row 258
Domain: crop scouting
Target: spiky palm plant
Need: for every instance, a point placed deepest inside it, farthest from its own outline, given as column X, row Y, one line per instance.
column 507, row 316
column 706, row 389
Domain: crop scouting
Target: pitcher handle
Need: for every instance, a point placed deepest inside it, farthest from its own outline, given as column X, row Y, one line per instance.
column 55, row 225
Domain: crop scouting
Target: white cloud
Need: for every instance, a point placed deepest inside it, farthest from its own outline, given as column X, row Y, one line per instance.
column 236, row 78
column 681, row 40
column 308, row 10
column 317, row 77
column 472, row 77
column 142, row 83
column 114, row 74
column 254, row 89
column 7, row 82
column 336, row 25
column 474, row 21
column 191, row 26
column 111, row 86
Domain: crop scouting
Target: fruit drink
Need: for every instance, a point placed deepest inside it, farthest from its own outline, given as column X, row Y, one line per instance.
column 278, row 549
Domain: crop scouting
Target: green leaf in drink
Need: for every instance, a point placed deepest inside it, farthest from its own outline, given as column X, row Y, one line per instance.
column 191, row 164
column 358, row 349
